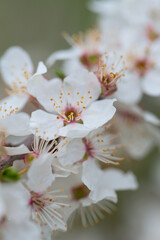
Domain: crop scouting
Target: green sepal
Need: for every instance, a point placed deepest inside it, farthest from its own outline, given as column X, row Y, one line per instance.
column 9, row 174
column 59, row 73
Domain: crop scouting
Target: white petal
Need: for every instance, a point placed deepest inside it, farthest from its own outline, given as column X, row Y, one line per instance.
column 14, row 63
column 138, row 143
column 85, row 84
column 92, row 177
column 40, row 174
column 44, row 90
column 13, row 102
column 99, row 113
column 104, row 7
column 62, row 55
column 75, row 130
column 137, row 137
column 19, row 164
column 129, row 90
column 26, row 230
column 15, row 140
column 72, row 152
column 151, row 84
column 41, row 69
column 90, row 170
column 64, row 171
column 16, row 201
column 71, row 65
column 151, row 118
column 22, row 149
column 45, row 124
column 17, row 124
column 118, row 180
column 104, row 192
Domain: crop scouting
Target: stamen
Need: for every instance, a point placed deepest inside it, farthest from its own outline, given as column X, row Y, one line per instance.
column 107, row 74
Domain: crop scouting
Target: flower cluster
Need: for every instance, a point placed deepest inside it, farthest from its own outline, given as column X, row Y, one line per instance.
column 63, row 159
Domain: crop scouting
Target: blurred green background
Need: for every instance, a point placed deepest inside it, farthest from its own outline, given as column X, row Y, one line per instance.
column 37, row 25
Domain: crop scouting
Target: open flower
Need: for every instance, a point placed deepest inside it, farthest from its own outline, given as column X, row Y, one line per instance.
column 74, row 111
column 116, row 81
column 17, row 69
column 85, row 52
column 47, row 209
column 99, row 145
column 138, row 130
column 42, row 164
column 90, row 195
column 15, row 214
column 143, row 73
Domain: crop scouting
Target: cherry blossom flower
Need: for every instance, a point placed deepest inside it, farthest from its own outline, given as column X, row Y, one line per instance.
column 85, row 52
column 47, row 209
column 99, row 145
column 91, row 196
column 17, row 69
column 138, row 130
column 73, row 106
column 41, row 164
column 15, row 214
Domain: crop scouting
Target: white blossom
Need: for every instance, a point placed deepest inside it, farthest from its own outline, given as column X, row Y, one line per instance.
column 73, row 106
column 17, row 69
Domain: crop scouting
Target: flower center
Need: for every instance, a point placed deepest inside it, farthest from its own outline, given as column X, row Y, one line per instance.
column 152, row 34
column 109, row 82
column 36, row 201
column 79, row 192
column 89, row 148
column 71, row 115
column 108, row 75
column 90, row 60
column 142, row 66
column 28, row 159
